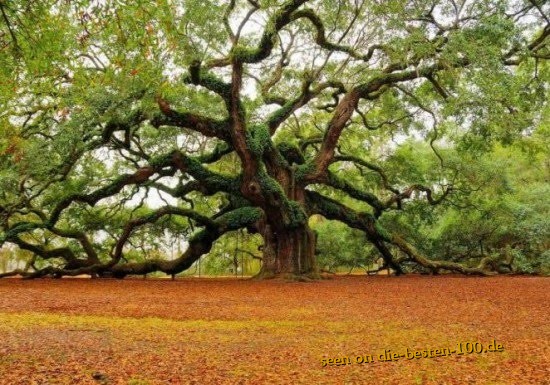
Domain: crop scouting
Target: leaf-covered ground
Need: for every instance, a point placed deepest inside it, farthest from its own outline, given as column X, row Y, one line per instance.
column 225, row 331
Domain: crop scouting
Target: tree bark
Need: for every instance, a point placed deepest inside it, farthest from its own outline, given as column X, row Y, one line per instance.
column 288, row 253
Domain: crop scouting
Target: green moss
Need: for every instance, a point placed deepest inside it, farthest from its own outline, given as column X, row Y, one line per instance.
column 161, row 160
column 327, row 208
column 238, row 201
column 20, row 228
column 270, row 185
column 201, row 236
column 281, row 114
column 296, row 215
column 221, row 183
column 258, row 139
column 291, row 153
column 268, row 40
column 240, row 217
column 212, row 180
column 214, row 84
column 382, row 231
column 243, row 54
column 364, row 196
column 209, row 81
column 220, row 150
column 303, row 170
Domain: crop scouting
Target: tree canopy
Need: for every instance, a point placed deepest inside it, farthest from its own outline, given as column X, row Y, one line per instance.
column 129, row 126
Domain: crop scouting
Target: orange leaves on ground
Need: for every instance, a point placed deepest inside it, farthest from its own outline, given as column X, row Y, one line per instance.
column 225, row 331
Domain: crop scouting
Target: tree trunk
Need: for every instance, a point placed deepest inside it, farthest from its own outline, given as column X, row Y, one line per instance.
column 289, row 243
column 289, row 253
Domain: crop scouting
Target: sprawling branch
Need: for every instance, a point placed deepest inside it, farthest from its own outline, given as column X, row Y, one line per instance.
column 332, row 209
column 269, row 37
column 405, row 194
column 364, row 196
column 306, row 95
column 370, row 166
column 163, row 165
column 199, row 244
column 153, row 217
column 206, row 126
column 324, row 43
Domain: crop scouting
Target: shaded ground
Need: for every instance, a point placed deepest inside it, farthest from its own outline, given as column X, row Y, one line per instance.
column 224, row 331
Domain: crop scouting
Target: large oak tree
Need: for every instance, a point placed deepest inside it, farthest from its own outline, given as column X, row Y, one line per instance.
column 249, row 114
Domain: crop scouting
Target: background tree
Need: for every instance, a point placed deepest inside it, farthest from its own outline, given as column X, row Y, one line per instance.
column 501, row 223
column 251, row 114
column 342, row 248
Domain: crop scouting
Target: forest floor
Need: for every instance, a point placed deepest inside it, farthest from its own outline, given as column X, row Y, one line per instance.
column 230, row 331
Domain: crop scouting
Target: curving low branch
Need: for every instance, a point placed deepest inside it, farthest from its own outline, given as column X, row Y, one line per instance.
column 199, row 244
column 332, row 209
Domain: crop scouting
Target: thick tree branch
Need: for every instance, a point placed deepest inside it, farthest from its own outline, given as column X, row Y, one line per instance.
column 332, row 209
column 206, row 126
column 151, row 218
column 269, row 37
